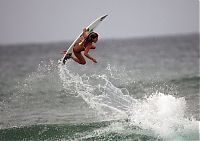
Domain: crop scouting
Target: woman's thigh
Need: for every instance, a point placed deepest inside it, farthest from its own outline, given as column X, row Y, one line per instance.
column 80, row 57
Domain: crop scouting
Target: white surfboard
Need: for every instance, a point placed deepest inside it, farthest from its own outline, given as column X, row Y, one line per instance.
column 90, row 28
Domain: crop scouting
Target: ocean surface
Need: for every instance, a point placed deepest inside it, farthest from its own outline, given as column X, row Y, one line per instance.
column 144, row 89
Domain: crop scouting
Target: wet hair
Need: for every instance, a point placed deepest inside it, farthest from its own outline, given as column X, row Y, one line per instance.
column 90, row 38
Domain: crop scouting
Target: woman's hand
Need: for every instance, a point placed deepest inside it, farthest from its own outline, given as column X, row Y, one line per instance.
column 84, row 30
column 85, row 33
column 94, row 60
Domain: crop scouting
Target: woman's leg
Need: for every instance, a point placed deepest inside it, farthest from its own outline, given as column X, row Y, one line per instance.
column 79, row 58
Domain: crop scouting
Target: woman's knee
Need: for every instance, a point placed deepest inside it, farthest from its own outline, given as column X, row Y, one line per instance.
column 83, row 62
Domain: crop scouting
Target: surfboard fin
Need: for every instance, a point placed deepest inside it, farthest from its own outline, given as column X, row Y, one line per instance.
column 67, row 56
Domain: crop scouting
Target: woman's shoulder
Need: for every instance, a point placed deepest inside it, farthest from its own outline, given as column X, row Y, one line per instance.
column 93, row 45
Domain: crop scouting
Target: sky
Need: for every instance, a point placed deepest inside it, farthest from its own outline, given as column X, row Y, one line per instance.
column 31, row 21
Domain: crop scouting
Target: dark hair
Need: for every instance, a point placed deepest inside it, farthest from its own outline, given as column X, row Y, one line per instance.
column 90, row 38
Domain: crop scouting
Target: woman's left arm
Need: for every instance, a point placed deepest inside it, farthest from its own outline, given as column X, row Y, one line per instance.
column 86, row 53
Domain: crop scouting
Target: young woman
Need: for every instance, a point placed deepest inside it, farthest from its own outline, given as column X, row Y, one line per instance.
column 85, row 43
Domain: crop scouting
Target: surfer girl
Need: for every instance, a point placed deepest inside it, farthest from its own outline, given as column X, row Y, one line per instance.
column 84, row 44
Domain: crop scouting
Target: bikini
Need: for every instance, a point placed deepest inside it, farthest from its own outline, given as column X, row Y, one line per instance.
column 83, row 47
column 81, row 44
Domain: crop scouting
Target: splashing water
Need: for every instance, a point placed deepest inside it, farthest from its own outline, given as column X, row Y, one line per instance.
column 98, row 92
column 162, row 115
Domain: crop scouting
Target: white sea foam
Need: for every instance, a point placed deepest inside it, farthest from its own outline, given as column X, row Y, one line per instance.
column 164, row 115
column 161, row 114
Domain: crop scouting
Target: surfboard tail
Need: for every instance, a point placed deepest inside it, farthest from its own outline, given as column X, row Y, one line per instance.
column 67, row 56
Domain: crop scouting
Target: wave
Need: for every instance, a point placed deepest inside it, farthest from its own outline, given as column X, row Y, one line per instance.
column 122, row 116
column 187, row 81
column 161, row 114
column 85, row 132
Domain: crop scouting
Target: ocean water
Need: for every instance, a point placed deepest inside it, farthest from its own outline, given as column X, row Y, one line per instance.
column 140, row 90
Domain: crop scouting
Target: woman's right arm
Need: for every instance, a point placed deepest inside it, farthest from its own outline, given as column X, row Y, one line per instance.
column 85, row 33
column 83, row 36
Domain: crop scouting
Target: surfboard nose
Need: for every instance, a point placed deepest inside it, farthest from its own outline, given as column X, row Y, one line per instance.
column 103, row 17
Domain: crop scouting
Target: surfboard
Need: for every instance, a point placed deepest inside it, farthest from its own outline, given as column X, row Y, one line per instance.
column 90, row 28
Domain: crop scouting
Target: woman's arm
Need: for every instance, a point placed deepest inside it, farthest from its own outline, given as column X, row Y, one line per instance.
column 83, row 36
column 86, row 53
column 85, row 33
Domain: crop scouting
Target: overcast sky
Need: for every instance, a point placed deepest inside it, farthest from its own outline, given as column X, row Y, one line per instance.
column 24, row 21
